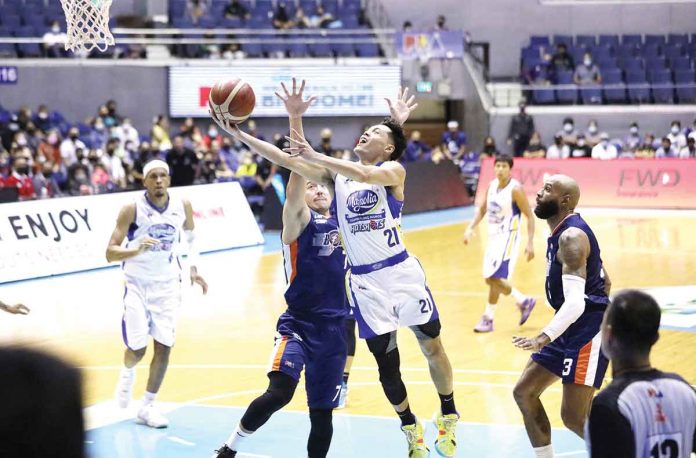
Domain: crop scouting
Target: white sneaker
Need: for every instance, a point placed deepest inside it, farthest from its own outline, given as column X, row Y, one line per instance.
column 149, row 415
column 124, row 388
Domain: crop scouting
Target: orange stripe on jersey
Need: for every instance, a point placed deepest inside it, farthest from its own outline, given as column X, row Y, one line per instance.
column 279, row 354
column 582, row 363
column 293, row 260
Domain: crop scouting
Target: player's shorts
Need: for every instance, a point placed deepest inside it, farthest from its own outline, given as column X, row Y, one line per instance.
column 318, row 347
column 501, row 255
column 576, row 355
column 391, row 297
column 149, row 309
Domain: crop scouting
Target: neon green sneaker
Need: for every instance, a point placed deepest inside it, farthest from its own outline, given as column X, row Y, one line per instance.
column 416, row 444
column 446, row 442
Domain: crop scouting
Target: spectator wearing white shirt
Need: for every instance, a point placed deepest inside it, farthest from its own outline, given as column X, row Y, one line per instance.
column 54, row 41
column 604, row 149
column 558, row 150
column 676, row 136
column 689, row 151
column 113, row 163
column 69, row 147
column 666, row 149
column 127, row 133
column 633, row 139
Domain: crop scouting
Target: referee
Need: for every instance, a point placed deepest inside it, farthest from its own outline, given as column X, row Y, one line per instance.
column 643, row 413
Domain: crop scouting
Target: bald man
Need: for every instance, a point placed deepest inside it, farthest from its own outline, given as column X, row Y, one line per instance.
column 568, row 348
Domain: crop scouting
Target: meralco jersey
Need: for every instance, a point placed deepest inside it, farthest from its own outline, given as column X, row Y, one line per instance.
column 369, row 220
column 595, row 296
column 315, row 271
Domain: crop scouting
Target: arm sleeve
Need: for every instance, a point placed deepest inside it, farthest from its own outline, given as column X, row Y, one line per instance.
column 572, row 308
column 609, row 433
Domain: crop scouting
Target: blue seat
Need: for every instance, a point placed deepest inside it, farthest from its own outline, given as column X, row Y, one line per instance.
column 680, row 63
column 569, row 94
column 275, row 48
column 661, row 75
column 626, row 51
column 631, row 64
column 565, row 39
column 231, row 23
column 686, row 85
column 611, row 41
column 601, row 52
column 632, row 39
column 25, row 31
column 308, row 7
column 591, row 95
column 349, row 20
column 8, row 50
column 655, row 63
column 5, row 32
column 638, row 87
column 650, row 51
column 606, row 63
column 343, row 49
column 367, row 49
column 539, row 40
column 298, row 49
column 681, row 39
column 543, row 95
column 531, row 53
column 671, row 52
column 586, row 41
column 11, row 21
column 320, row 48
column 614, row 88
column 252, row 49
column 658, row 40
column 207, row 22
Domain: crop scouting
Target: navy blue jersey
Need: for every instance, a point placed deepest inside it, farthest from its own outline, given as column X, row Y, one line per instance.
column 595, row 297
column 315, row 271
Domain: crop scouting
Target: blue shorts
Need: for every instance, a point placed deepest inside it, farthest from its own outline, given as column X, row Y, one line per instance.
column 318, row 347
column 576, row 356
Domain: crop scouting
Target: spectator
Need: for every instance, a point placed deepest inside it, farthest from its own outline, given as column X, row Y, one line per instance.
column 234, row 9
column 540, row 73
column 416, row 149
column 535, row 149
column 647, row 148
column 20, row 177
column 676, row 136
column 113, row 164
column 127, row 133
column 587, row 72
column 407, row 27
column 321, row 18
column 580, row 149
column 223, row 172
column 666, row 149
column 253, row 131
column 112, row 118
column 41, row 396
column 69, row 147
column 440, row 25
column 521, row 130
column 99, row 135
column 196, row 9
column 692, row 132
column 190, row 132
column 453, row 144
column 208, row 168
column 604, row 149
column 281, row 18
column 592, row 136
column 160, row 133
column 689, row 151
column 103, row 115
column 561, row 61
column 489, row 149
column 211, row 135
column 183, row 163
column 41, row 120
column 633, row 139
column 325, row 146
column 570, row 135
column 49, row 148
column 558, row 150
column 54, row 41
column 144, row 155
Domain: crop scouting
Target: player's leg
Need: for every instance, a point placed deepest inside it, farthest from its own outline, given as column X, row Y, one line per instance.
column 351, row 344
column 575, row 407
column 134, row 329
column 535, row 379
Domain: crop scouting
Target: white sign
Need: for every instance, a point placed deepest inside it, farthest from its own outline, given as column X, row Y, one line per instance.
column 48, row 237
column 340, row 90
column 678, row 304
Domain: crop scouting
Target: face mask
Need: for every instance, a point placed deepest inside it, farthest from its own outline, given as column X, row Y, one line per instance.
column 47, row 174
column 55, row 29
column 212, row 133
column 634, row 130
column 605, row 143
column 592, row 129
column 568, row 127
column 99, row 126
column 21, row 141
column 22, row 170
column 52, row 138
column 675, row 130
column 581, row 142
column 74, row 136
column 43, row 115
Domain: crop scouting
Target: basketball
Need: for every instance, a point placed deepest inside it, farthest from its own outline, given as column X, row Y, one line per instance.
column 233, row 100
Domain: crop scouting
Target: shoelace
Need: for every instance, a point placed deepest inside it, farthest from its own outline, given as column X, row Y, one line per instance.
column 411, row 436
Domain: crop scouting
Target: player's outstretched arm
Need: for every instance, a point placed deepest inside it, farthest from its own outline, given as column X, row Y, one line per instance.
column 573, row 251
column 193, row 252
column 523, row 204
column 116, row 252
column 478, row 216
column 16, row 309
column 400, row 109
column 274, row 154
column 296, row 214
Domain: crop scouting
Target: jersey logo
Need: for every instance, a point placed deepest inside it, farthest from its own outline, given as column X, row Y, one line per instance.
column 327, row 242
column 164, row 233
column 361, row 202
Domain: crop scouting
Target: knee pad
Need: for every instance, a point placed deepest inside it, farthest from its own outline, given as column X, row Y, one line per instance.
column 350, row 337
column 382, row 344
column 281, row 388
column 428, row 330
column 321, row 433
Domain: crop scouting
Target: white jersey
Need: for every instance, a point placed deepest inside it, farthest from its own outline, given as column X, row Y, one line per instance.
column 369, row 221
column 164, row 224
column 503, row 212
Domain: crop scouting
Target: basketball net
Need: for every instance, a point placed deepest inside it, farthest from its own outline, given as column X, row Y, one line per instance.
column 88, row 24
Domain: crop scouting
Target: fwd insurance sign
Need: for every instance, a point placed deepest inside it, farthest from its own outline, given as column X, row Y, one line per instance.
column 340, row 90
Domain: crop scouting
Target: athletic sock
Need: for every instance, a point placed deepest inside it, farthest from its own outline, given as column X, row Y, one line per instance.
column 345, row 378
column 519, row 297
column 447, row 404
column 544, row 452
column 407, row 417
column 237, row 438
column 149, row 398
column 490, row 311
column 127, row 372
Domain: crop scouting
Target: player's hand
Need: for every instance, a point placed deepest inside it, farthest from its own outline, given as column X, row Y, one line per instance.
column 17, row 309
column 295, row 104
column 529, row 251
column 197, row 279
column 535, row 344
column 468, row 233
column 225, row 124
column 300, row 146
column 402, row 107
column 147, row 243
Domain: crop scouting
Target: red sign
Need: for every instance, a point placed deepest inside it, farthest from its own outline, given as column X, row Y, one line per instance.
column 203, row 94
column 627, row 183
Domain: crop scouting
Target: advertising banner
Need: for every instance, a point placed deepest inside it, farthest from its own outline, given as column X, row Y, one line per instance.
column 54, row 236
column 352, row 90
column 621, row 183
column 430, row 45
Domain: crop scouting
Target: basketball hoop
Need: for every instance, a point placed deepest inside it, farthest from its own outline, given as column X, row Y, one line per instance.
column 88, row 24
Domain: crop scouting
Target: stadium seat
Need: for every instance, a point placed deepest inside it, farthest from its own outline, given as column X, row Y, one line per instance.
column 631, row 64
column 298, row 49
column 686, row 85
column 601, row 52
column 277, row 48
column 11, row 21
column 565, row 39
column 252, row 49
column 658, row 40
column 606, row 63
column 586, row 41
column 680, row 63
column 543, row 96
column 343, row 49
column 662, row 86
column 611, row 41
column 367, row 49
column 671, row 52
column 614, row 88
column 638, row 87
column 633, row 40
column 539, row 40
column 566, row 95
column 591, row 95
column 655, row 63
column 319, row 46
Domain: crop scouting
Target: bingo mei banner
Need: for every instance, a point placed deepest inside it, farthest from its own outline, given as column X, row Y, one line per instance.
column 622, row 183
column 340, row 90
column 48, row 237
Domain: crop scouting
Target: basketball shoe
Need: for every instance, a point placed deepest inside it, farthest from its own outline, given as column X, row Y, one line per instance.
column 416, row 444
column 151, row 416
column 484, row 325
column 526, row 307
column 225, row 452
column 446, row 441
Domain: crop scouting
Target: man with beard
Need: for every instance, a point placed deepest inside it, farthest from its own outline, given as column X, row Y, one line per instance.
column 153, row 224
column 568, row 348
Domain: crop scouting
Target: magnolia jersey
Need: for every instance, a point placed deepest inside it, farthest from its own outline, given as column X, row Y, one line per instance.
column 315, row 271
column 650, row 414
column 595, row 295
column 503, row 213
column 164, row 224
column 369, row 220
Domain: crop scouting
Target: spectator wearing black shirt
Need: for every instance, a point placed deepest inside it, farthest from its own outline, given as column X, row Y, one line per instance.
column 183, row 163
column 489, row 149
column 561, row 61
column 521, row 130
column 236, row 10
column 535, row 148
column 580, row 149
column 281, row 18
column 325, row 146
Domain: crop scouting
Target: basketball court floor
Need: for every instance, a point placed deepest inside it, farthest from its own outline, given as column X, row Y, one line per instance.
column 224, row 340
